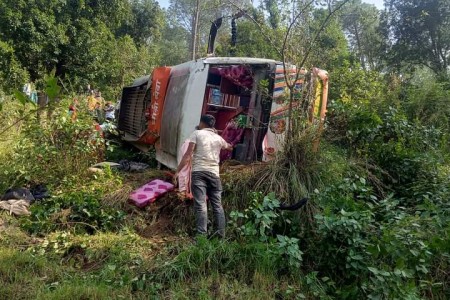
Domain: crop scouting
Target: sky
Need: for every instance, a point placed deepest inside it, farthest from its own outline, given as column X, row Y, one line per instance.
column 377, row 3
column 164, row 3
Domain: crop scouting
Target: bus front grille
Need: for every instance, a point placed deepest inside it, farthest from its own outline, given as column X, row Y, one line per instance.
column 134, row 103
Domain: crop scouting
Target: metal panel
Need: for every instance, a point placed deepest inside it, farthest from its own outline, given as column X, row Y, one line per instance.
column 239, row 61
column 173, row 105
column 192, row 106
column 183, row 113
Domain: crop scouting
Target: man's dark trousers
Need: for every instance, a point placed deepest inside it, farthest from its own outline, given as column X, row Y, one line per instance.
column 208, row 184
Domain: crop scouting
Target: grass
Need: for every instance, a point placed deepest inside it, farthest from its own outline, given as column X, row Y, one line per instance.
column 218, row 286
column 23, row 275
column 127, row 266
column 83, row 291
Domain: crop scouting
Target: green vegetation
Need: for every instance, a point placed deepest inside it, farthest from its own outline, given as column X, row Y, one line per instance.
column 377, row 223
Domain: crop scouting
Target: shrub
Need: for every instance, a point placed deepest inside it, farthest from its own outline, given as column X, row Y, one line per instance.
column 52, row 151
column 262, row 222
column 375, row 248
column 404, row 151
column 80, row 211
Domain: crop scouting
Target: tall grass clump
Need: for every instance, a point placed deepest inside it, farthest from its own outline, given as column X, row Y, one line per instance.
column 292, row 174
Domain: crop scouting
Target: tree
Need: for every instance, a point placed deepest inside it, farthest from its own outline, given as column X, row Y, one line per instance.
column 126, row 61
column 196, row 17
column 360, row 22
column 331, row 46
column 82, row 40
column 34, row 32
column 419, row 33
column 174, row 37
column 250, row 41
column 274, row 12
column 12, row 75
column 144, row 23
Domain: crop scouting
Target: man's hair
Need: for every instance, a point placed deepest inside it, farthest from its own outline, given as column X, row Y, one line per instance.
column 208, row 120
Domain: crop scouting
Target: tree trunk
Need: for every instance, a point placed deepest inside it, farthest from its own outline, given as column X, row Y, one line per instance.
column 358, row 43
column 195, row 29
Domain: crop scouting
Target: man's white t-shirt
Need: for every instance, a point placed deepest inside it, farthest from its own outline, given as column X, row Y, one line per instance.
column 206, row 156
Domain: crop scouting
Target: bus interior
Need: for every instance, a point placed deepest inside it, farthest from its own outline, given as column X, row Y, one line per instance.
column 231, row 91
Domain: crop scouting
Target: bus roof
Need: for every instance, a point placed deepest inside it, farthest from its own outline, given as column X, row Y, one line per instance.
column 238, row 60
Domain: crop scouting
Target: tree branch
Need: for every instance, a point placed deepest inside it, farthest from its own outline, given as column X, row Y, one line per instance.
column 300, row 66
column 261, row 30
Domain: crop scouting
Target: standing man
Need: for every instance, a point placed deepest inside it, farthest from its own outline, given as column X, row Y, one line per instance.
column 204, row 148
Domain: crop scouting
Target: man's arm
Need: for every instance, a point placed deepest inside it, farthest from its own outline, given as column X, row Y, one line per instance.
column 186, row 157
column 226, row 146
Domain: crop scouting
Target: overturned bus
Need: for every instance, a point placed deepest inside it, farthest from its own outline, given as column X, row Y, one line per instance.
column 163, row 109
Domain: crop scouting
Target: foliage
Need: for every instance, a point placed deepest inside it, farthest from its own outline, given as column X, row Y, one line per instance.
column 377, row 240
column 361, row 21
column 174, row 37
column 125, row 62
column 259, row 217
column 331, row 49
column 420, row 34
column 42, row 144
column 77, row 210
column 144, row 23
column 427, row 101
column 81, row 40
column 250, row 42
column 258, row 222
column 295, row 171
column 183, row 16
column 391, row 141
column 12, row 74
column 353, row 85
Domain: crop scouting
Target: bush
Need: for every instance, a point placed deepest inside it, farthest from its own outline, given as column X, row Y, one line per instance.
column 404, row 151
column 427, row 101
column 376, row 248
column 12, row 74
column 51, row 151
column 79, row 211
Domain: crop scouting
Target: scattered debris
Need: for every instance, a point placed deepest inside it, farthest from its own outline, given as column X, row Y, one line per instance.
column 105, row 164
column 96, row 170
column 131, row 166
column 123, row 165
column 17, row 201
column 18, row 194
column 39, row 192
column 16, row 207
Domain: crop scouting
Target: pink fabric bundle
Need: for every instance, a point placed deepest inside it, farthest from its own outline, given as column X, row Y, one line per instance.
column 149, row 192
column 232, row 134
column 240, row 75
column 184, row 176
